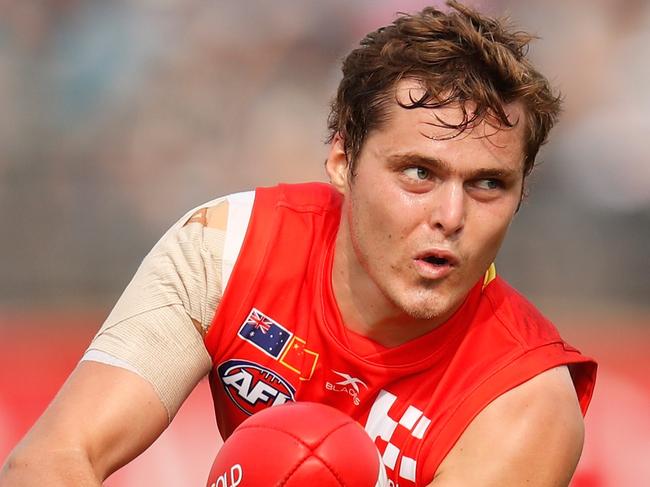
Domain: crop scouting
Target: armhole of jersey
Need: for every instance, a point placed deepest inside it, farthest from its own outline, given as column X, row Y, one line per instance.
column 514, row 373
column 240, row 207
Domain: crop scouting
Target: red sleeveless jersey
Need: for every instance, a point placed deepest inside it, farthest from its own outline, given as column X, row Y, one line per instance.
column 278, row 336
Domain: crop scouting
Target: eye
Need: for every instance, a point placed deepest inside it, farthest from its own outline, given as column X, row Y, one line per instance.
column 489, row 184
column 418, row 173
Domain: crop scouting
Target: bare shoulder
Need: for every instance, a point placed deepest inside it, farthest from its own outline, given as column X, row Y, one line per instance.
column 531, row 435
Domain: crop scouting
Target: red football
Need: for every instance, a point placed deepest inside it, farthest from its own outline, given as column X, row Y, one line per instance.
column 296, row 445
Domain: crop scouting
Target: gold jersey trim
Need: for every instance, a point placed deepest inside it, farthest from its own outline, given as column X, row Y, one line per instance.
column 490, row 275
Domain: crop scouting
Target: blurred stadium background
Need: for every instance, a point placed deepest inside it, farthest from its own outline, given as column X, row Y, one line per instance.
column 119, row 116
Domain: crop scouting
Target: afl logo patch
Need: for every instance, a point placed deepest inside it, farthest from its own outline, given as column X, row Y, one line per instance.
column 252, row 387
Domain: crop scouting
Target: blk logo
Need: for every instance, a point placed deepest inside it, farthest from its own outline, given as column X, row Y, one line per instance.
column 252, row 387
column 348, row 385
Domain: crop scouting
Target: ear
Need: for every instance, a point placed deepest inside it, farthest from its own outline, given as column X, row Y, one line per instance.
column 337, row 165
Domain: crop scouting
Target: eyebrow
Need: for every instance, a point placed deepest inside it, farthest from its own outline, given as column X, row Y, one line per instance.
column 437, row 164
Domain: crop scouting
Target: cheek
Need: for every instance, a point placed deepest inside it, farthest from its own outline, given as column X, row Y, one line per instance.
column 385, row 216
column 375, row 227
column 493, row 226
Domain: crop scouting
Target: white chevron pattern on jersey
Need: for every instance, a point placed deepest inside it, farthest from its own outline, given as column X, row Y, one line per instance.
column 381, row 425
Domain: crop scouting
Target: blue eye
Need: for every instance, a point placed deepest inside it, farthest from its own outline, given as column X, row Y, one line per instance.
column 489, row 184
column 418, row 173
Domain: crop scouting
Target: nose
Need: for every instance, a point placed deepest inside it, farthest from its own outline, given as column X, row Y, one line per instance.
column 448, row 208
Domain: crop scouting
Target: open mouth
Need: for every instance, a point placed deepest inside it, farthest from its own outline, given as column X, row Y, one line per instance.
column 435, row 263
column 438, row 258
column 439, row 261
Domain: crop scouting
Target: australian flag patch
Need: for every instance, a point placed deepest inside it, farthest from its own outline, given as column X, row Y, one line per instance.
column 265, row 333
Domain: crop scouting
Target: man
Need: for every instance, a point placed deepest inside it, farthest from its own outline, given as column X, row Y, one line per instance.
column 375, row 294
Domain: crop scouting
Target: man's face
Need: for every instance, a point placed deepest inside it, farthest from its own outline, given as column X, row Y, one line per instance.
column 426, row 211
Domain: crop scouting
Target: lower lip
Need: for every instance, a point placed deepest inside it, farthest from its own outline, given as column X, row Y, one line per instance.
column 432, row 271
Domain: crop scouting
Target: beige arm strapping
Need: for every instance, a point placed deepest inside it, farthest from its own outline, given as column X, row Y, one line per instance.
column 150, row 330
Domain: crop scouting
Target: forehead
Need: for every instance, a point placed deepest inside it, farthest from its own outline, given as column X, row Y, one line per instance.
column 431, row 131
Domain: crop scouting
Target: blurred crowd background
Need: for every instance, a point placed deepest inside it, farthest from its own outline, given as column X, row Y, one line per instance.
column 117, row 117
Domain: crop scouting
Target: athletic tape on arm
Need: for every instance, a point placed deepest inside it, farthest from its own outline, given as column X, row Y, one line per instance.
column 150, row 330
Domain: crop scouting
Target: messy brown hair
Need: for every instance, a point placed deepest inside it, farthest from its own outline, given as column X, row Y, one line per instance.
column 458, row 57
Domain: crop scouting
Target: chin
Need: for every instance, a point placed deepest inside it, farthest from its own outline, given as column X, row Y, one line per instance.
column 423, row 314
column 429, row 313
column 427, row 308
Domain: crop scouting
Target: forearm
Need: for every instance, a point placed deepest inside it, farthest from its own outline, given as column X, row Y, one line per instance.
column 60, row 468
column 102, row 418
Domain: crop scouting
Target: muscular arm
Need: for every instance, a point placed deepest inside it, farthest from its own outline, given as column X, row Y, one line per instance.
column 531, row 435
column 102, row 418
